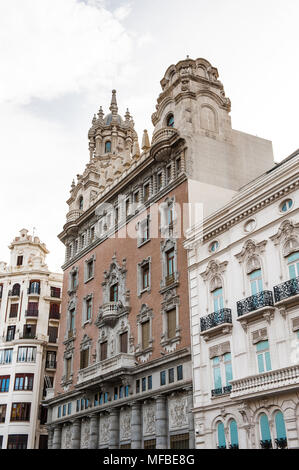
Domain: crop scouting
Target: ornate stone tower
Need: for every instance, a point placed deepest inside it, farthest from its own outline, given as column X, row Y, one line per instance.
column 192, row 108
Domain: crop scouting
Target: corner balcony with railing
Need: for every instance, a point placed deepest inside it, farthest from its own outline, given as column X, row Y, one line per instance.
column 219, row 392
column 109, row 312
column 266, row 383
column 287, row 293
column 162, row 142
column 107, row 369
column 256, row 306
column 216, row 323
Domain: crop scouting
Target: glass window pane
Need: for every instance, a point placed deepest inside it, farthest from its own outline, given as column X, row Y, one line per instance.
column 217, row 377
column 221, row 435
column 233, row 433
column 265, row 430
column 268, row 361
column 280, row 426
column 260, row 360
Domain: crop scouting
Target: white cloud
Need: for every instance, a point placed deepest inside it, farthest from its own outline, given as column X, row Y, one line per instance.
column 52, row 47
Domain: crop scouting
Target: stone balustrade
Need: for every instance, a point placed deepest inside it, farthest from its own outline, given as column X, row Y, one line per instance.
column 113, row 364
column 256, row 385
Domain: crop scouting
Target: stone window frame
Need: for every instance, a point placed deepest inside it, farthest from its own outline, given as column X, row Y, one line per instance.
column 123, row 328
column 147, row 182
column 145, row 314
column 215, row 278
column 215, row 113
column 287, row 232
column 86, row 343
column 140, row 226
column 164, row 207
column 72, row 305
column 72, row 272
column 171, row 304
column 166, row 246
column 219, row 350
column 86, row 320
column 140, row 266
column 103, row 338
column 251, row 258
column 116, row 274
column 68, row 354
column 86, row 262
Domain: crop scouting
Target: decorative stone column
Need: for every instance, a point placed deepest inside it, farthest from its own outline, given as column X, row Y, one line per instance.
column 136, row 433
column 50, row 437
column 190, row 417
column 94, row 432
column 114, row 429
column 57, row 437
column 76, row 434
column 161, row 422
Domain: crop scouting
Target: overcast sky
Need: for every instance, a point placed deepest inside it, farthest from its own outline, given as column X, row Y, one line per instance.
column 60, row 59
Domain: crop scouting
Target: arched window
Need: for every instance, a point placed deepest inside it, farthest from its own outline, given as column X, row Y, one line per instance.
column 233, row 429
column 293, row 265
column 208, row 119
column 16, row 289
column 107, row 146
column 221, row 436
column 281, row 435
column 170, row 120
column 266, row 441
column 81, row 203
column 34, row 287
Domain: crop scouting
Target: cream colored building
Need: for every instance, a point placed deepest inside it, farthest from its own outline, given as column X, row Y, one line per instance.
column 30, row 298
column 244, row 310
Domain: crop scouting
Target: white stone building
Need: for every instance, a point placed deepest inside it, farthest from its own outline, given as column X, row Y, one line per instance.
column 30, row 298
column 244, row 311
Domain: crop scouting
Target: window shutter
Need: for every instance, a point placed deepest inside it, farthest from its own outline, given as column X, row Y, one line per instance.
column 171, row 320
column 145, row 334
column 124, row 342
column 103, row 350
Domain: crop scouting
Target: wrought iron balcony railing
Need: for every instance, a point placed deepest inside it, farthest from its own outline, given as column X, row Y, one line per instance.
column 216, row 392
column 255, row 302
column 266, row 444
column 33, row 290
column 31, row 313
column 54, row 315
column 281, row 443
column 50, row 364
column 216, row 318
column 286, row 289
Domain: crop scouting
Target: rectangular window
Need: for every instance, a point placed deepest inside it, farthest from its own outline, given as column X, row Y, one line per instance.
column 168, row 173
column 293, row 263
column 180, row 441
column 179, row 370
column 105, row 397
column 145, row 331
column 103, row 350
column 64, row 410
column 146, row 192
column 217, row 373
column 20, row 412
column 23, row 382
column 115, row 393
column 55, row 292
column 88, row 307
column 77, row 406
column 10, row 336
column 159, row 181
column 149, row 444
column 92, row 232
column 2, row 413
column 143, row 231
column 53, row 334
column 170, row 262
column 256, row 282
column 123, row 342
column 228, row 368
column 26, row 354
column 137, row 386
column 178, row 166
column 5, row 356
column 13, row 313
column 59, row 412
column 121, row 391
column 218, row 299
column 72, row 320
column 126, row 390
column 171, row 323
column 114, row 293
column 263, row 356
column 84, row 358
column 143, row 384
column 145, row 276
column 127, row 207
column 69, row 408
column 4, row 383
column 17, row 441
column 170, row 375
column 149, row 382
column 163, row 377
column 19, row 260
column 74, row 280
column 68, row 368
column 32, row 309
column 136, row 197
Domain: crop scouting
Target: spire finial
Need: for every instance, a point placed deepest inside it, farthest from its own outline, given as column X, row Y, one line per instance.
column 100, row 113
column 113, row 107
column 127, row 115
column 145, row 141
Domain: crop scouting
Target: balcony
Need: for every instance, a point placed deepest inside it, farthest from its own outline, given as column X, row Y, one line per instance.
column 216, row 323
column 258, row 305
column 27, row 335
column 287, row 292
column 266, row 383
column 73, row 215
column 114, row 366
column 217, row 392
column 54, row 316
column 110, row 311
column 51, row 365
column 31, row 313
column 162, row 143
column 14, row 293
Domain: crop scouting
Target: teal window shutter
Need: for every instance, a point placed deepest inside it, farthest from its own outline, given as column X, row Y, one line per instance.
column 233, row 433
column 280, row 426
column 260, row 361
column 217, row 377
column 221, row 435
column 218, row 299
column 228, row 373
column 256, row 281
column 265, row 430
column 268, row 361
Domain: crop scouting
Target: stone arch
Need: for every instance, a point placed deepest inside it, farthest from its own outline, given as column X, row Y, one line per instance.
column 208, row 118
